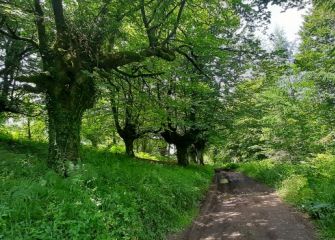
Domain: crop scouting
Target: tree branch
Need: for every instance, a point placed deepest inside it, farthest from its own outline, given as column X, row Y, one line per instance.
column 143, row 75
column 61, row 28
column 150, row 31
column 116, row 117
column 114, row 60
column 176, row 24
column 31, row 89
column 39, row 79
column 11, row 34
column 42, row 35
column 193, row 62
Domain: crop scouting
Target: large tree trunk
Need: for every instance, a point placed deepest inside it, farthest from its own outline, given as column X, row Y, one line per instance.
column 129, row 142
column 66, row 104
column 64, row 138
column 182, row 156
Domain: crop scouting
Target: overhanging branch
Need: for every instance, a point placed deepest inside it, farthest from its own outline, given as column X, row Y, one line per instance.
column 12, row 34
column 39, row 79
column 114, row 60
column 141, row 75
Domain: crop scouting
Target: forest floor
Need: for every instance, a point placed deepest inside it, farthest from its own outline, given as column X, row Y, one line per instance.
column 237, row 207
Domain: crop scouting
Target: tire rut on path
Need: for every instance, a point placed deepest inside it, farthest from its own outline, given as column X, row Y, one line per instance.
column 237, row 207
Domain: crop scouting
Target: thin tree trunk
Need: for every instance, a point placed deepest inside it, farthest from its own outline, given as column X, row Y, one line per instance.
column 94, row 143
column 144, row 145
column 192, row 154
column 168, row 149
column 28, row 128
column 114, row 137
column 200, row 156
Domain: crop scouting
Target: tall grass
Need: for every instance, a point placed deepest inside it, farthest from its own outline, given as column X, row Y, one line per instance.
column 109, row 197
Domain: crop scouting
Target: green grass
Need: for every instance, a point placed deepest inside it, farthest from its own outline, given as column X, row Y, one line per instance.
column 109, row 197
column 309, row 186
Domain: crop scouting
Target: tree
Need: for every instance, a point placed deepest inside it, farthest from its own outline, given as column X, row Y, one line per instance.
column 73, row 46
column 133, row 108
column 11, row 64
column 317, row 49
column 317, row 63
column 97, row 126
column 73, row 40
column 189, row 102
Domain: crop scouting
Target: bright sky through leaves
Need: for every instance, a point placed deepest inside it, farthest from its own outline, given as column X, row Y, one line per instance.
column 290, row 21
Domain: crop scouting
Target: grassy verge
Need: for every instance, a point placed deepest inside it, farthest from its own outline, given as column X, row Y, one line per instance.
column 309, row 186
column 109, row 197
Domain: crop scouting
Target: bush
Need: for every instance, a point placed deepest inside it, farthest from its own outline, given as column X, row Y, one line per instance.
column 295, row 189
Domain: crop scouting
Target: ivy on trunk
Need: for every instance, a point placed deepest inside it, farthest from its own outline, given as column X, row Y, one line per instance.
column 69, row 59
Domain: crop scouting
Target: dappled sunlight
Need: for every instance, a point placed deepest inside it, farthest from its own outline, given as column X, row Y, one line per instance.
column 242, row 213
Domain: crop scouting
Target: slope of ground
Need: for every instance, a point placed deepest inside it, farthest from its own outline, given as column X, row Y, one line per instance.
column 237, row 207
column 109, row 197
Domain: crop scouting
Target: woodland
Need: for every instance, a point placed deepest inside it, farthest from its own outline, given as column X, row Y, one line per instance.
column 114, row 114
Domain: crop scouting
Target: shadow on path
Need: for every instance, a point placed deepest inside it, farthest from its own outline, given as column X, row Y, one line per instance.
column 237, row 207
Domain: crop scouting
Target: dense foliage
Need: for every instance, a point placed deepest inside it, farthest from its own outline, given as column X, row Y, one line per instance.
column 185, row 81
column 281, row 126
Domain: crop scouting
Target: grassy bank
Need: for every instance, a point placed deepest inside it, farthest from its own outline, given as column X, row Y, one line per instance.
column 109, row 197
column 309, row 186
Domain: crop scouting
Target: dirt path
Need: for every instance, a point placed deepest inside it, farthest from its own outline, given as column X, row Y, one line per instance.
column 237, row 207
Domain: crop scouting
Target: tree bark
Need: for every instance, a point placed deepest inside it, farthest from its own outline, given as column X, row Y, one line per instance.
column 94, row 143
column 129, row 147
column 200, row 156
column 114, row 137
column 28, row 128
column 64, row 137
column 192, row 154
column 199, row 147
column 182, row 157
column 66, row 104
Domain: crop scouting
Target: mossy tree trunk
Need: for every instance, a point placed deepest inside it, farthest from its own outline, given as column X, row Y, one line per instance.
column 182, row 143
column 66, row 104
column 68, row 60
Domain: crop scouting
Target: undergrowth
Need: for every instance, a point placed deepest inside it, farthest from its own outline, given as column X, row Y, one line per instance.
column 309, row 186
column 109, row 197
